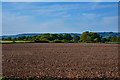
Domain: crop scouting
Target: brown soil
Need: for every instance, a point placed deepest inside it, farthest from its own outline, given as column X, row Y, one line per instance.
column 71, row 60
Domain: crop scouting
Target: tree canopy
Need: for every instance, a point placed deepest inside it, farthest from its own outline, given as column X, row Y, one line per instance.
column 86, row 37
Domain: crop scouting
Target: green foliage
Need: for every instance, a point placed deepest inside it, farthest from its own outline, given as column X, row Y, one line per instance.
column 29, row 38
column 53, row 36
column 83, row 37
column 118, row 39
column 60, row 37
column 108, row 38
column 91, row 37
column 96, row 40
column 103, row 40
column 45, row 36
column 9, row 38
column 86, row 37
column 67, row 41
column 41, row 40
column 113, row 39
column 76, row 38
column 58, row 41
column 67, row 37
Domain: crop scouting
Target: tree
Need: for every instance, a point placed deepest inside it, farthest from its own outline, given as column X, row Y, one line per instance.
column 9, row 38
column 3, row 38
column 83, row 37
column 57, row 41
column 76, row 38
column 94, row 36
column 28, row 38
column 118, row 39
column 23, row 37
column 113, row 39
column 19, row 38
column 53, row 36
column 60, row 36
column 90, row 37
column 36, row 38
column 67, row 37
column 14, row 39
column 96, row 40
column 45, row 36
column 108, row 38
column 103, row 40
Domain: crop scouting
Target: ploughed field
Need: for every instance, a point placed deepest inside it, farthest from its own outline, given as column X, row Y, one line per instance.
column 61, row 60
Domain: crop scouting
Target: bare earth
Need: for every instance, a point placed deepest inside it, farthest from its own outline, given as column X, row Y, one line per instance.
column 63, row 60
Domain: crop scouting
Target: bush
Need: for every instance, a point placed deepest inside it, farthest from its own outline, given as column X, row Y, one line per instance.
column 41, row 41
column 57, row 41
column 67, row 41
column 14, row 41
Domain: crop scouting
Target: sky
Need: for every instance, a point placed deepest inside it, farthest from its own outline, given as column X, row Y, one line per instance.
column 38, row 17
column 0, row 18
column 60, row 0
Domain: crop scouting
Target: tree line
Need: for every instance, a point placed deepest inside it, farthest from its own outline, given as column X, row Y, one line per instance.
column 86, row 37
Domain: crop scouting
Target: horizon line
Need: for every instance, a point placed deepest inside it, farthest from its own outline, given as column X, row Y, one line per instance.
column 55, row 32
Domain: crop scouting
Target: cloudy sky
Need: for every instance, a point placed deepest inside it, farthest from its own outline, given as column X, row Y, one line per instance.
column 25, row 17
column 60, row 0
column 0, row 18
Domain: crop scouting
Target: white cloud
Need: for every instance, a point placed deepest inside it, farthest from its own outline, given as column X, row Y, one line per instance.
column 14, row 23
column 90, row 16
column 57, row 7
column 109, row 23
column 97, row 6
column 19, row 23
column 8, row 17
column 110, row 20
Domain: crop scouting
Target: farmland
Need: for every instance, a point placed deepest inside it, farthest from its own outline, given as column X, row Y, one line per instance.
column 61, row 60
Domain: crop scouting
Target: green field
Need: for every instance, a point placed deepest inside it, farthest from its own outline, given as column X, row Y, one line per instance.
column 49, row 42
column 15, row 41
